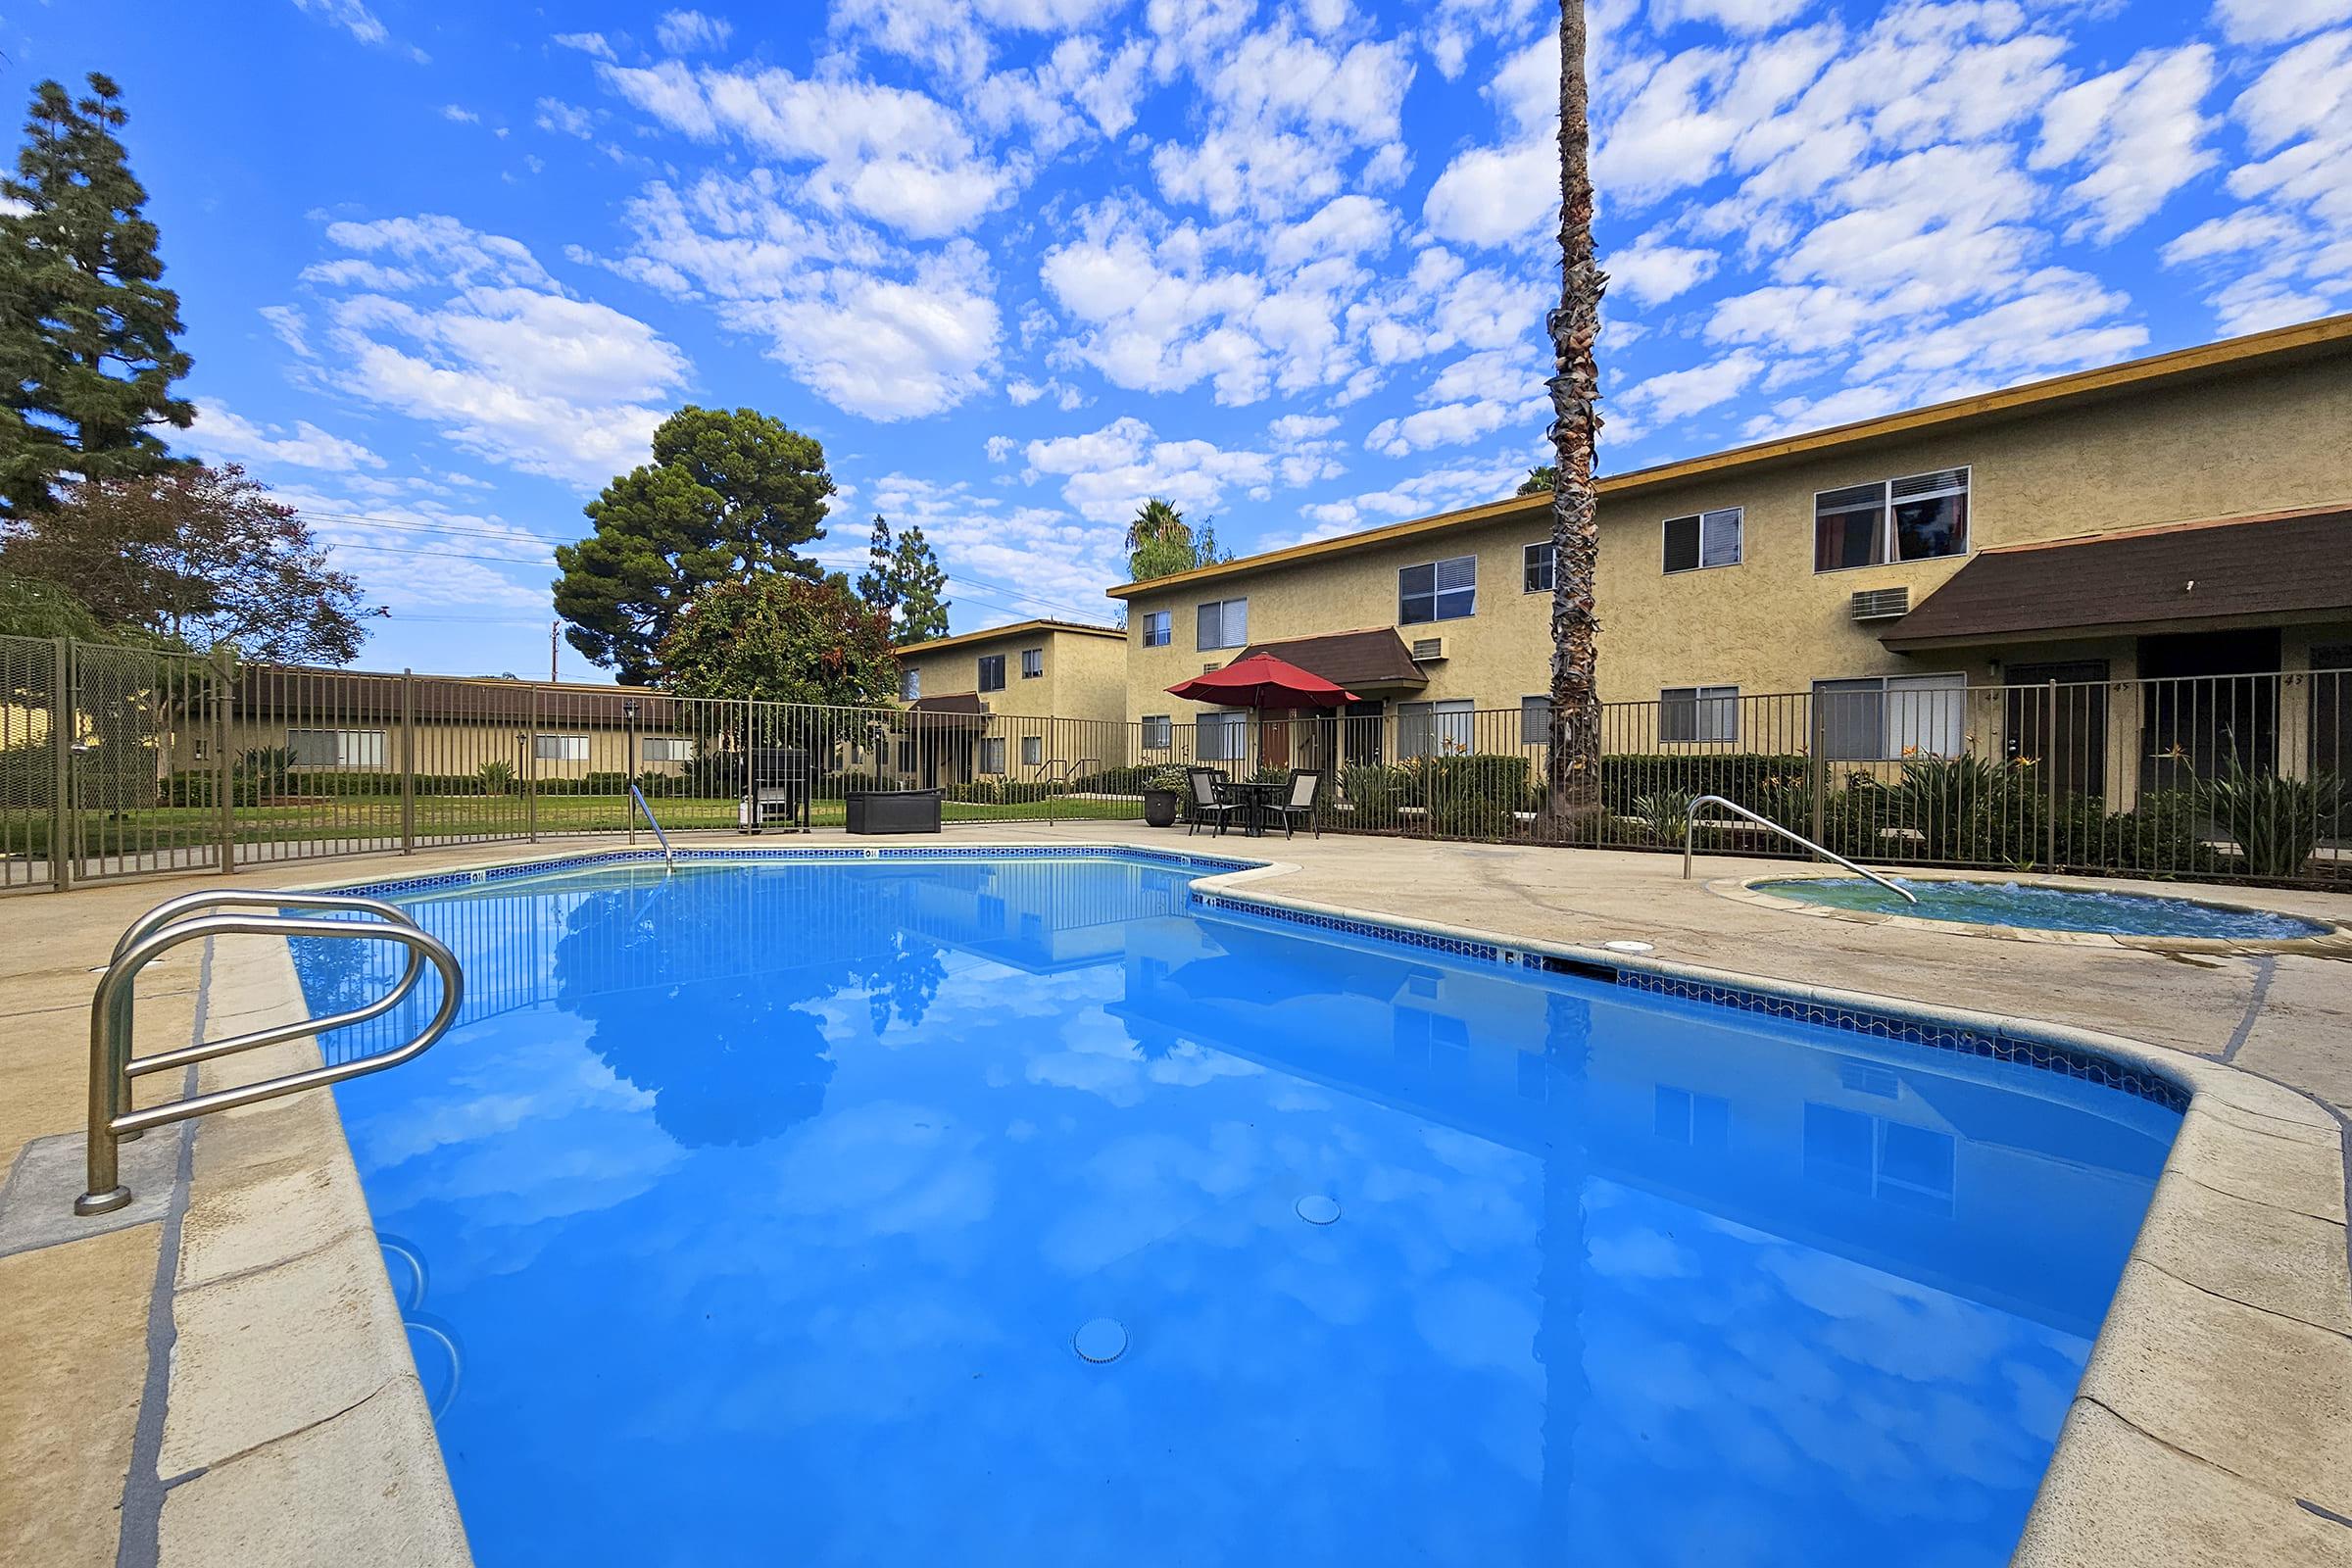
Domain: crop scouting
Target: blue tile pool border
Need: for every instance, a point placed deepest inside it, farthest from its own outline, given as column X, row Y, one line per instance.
column 1876, row 1023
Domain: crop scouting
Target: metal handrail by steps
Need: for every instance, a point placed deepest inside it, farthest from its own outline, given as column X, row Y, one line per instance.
column 1692, row 824
column 669, row 856
column 113, row 1121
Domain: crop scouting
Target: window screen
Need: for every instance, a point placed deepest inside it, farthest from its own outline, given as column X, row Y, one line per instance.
column 1536, row 567
column 1223, row 624
column 1698, row 714
column 992, row 674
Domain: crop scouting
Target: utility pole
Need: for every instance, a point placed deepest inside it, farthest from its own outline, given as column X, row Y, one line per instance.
column 552, row 627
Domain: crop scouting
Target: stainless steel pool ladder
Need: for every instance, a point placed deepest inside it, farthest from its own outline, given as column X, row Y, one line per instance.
column 1692, row 824
column 113, row 1120
column 669, row 856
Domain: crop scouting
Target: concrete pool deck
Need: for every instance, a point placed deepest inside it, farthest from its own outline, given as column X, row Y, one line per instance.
column 223, row 1378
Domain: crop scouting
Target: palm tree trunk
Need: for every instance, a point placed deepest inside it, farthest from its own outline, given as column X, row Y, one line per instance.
column 1572, row 798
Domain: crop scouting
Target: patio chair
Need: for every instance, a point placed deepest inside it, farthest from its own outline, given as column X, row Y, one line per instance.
column 1306, row 785
column 1210, row 803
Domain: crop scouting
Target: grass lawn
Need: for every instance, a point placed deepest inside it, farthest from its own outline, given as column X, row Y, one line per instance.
column 357, row 820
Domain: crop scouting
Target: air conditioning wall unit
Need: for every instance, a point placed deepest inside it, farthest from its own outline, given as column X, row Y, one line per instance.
column 1429, row 650
column 1882, row 604
column 1210, row 668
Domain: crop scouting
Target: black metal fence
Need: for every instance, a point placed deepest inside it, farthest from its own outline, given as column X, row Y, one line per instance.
column 119, row 762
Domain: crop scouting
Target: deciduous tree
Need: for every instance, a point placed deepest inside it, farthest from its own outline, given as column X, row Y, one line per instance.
column 728, row 494
column 778, row 637
column 88, row 350
column 194, row 557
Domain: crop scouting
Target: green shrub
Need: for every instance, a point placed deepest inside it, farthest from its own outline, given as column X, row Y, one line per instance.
column 2275, row 822
column 1743, row 777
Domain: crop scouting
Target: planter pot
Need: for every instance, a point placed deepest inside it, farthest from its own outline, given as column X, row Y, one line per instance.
column 893, row 811
column 1159, row 808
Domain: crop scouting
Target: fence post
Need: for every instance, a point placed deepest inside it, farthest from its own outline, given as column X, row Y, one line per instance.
column 408, row 763
column 531, row 774
column 61, row 758
column 1816, row 730
column 2049, row 759
column 225, row 783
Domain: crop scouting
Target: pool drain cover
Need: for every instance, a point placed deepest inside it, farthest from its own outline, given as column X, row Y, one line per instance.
column 1102, row 1340
column 1318, row 1210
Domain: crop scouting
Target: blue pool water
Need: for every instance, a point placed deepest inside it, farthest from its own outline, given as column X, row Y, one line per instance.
column 2042, row 908
column 762, row 1214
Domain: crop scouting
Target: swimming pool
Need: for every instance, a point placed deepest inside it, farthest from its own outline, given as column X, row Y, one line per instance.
column 2047, row 909
column 783, row 1212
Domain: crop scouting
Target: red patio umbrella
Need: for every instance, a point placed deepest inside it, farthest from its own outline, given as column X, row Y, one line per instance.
column 1262, row 681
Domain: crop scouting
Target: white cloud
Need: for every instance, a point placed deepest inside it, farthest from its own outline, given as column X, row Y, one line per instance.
column 1444, row 424
column 897, row 157
column 569, row 120
column 290, row 326
column 1735, row 16
column 1000, row 447
column 461, row 114
column 1653, row 273
column 2261, row 21
column 223, row 436
column 1108, row 473
column 877, row 329
column 473, row 337
column 592, row 44
column 2140, row 129
column 362, row 23
column 955, row 35
column 682, row 33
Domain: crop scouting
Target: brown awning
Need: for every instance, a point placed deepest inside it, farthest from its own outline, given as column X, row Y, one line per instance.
column 2284, row 567
column 955, row 702
column 1355, row 660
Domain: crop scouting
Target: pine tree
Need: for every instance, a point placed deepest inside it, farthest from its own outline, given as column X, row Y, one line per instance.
column 729, row 493
column 87, row 356
column 918, row 582
column 878, row 584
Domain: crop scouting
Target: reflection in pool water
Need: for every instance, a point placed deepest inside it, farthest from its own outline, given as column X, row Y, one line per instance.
column 2044, row 908
column 763, row 1206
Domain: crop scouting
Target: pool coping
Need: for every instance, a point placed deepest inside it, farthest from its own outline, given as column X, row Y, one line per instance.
column 2240, row 1264
column 2334, row 942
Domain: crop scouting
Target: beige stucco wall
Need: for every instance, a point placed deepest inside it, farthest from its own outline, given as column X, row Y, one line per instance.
column 1084, row 673
column 2247, row 442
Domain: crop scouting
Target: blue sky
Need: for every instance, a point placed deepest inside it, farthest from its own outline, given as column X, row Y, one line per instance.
column 1022, row 263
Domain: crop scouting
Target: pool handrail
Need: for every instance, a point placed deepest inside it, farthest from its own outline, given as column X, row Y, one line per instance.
column 669, row 856
column 113, row 1119
column 1692, row 824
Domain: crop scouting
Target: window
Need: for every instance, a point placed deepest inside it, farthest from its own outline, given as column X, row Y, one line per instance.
column 1220, row 737
column 992, row 674
column 1442, row 590
column 666, row 749
column 1687, row 1117
column 1159, row 732
column 336, row 747
column 560, row 748
column 1698, row 714
column 1536, row 567
column 1891, row 1161
column 1882, row 719
column 1224, row 623
column 1033, row 751
column 1033, row 662
column 1159, row 627
column 1917, row 519
column 992, row 753
column 1425, row 729
column 911, row 685
column 1703, row 539
column 1535, row 720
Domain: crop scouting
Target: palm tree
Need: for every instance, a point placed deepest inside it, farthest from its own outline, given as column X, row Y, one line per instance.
column 1573, row 756
column 1159, row 542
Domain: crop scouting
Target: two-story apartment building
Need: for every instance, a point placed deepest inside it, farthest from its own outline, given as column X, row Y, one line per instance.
column 1035, row 699
column 2181, row 516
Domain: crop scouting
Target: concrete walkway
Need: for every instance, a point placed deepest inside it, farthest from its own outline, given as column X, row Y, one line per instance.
column 79, row 1477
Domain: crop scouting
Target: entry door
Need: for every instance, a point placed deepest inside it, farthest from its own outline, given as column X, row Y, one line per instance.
column 2063, row 727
